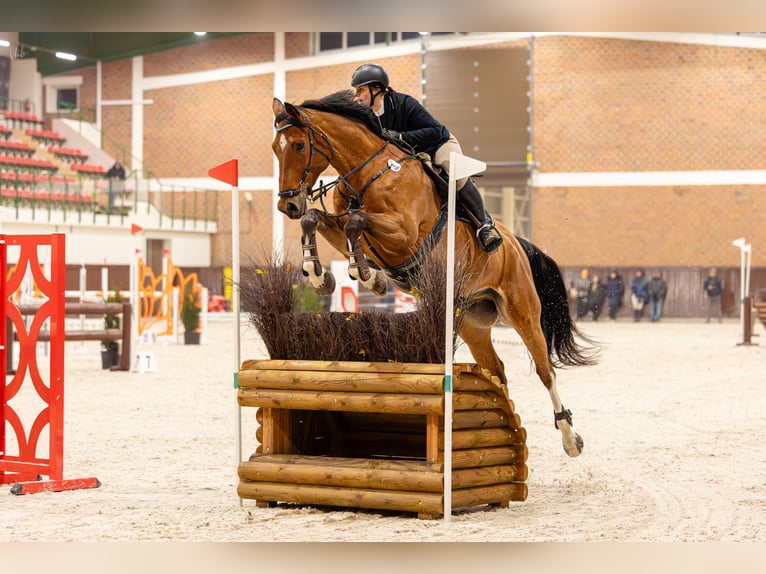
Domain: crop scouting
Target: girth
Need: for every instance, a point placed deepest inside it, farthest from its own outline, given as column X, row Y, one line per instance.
column 401, row 274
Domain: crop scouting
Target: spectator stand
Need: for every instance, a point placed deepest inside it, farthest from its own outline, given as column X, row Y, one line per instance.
column 45, row 137
column 74, row 156
column 16, row 148
column 22, row 120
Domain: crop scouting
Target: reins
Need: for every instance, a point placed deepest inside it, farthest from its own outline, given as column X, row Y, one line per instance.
column 354, row 198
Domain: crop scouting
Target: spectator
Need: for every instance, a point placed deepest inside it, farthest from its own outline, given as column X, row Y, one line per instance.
column 615, row 289
column 596, row 297
column 116, row 175
column 116, row 171
column 582, row 285
column 638, row 295
column 713, row 289
column 656, row 289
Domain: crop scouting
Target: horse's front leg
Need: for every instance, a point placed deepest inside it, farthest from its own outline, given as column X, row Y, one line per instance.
column 358, row 268
column 323, row 281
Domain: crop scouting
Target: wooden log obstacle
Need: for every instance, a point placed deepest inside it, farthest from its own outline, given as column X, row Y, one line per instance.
column 371, row 435
column 88, row 310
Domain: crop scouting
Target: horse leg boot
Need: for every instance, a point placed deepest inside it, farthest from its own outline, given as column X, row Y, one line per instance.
column 322, row 281
column 486, row 233
column 358, row 268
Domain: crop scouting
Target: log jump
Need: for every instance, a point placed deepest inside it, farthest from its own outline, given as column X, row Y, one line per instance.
column 89, row 310
column 371, row 435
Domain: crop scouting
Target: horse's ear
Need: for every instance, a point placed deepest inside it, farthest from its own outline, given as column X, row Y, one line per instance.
column 277, row 106
column 292, row 110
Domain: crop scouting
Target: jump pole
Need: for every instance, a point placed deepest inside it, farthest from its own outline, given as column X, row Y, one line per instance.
column 745, row 251
column 460, row 166
column 228, row 172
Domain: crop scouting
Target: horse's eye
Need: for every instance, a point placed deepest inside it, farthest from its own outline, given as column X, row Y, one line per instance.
column 300, row 146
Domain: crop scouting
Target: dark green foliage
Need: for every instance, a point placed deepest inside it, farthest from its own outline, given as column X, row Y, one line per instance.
column 190, row 310
column 271, row 292
column 112, row 321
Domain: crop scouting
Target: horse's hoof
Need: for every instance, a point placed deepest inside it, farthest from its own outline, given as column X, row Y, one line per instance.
column 328, row 286
column 380, row 286
column 577, row 449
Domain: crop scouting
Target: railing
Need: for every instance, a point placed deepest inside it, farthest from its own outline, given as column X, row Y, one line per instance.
column 84, row 200
column 29, row 195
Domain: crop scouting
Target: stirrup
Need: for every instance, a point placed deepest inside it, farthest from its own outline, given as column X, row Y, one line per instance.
column 493, row 241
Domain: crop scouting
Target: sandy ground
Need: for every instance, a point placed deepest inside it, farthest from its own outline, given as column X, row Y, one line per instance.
column 672, row 418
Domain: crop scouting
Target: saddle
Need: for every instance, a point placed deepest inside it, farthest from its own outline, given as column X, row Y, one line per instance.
column 441, row 180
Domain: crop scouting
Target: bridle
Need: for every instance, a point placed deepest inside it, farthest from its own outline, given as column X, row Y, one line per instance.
column 350, row 194
column 292, row 122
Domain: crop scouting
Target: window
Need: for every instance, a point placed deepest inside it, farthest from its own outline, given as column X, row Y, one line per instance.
column 66, row 100
column 325, row 41
column 62, row 94
column 357, row 39
column 330, row 41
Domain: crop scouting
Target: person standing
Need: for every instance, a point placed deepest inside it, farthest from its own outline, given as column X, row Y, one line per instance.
column 656, row 289
column 116, row 175
column 582, row 286
column 638, row 295
column 615, row 289
column 713, row 289
column 596, row 297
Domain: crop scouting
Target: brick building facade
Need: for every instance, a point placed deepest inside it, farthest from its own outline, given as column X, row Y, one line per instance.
column 645, row 152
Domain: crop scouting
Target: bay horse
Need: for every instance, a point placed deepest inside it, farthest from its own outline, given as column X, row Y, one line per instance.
column 386, row 210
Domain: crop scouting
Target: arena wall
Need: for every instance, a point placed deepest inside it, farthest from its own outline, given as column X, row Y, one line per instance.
column 629, row 139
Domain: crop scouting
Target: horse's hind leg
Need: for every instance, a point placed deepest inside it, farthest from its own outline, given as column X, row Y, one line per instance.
column 531, row 334
column 476, row 331
column 321, row 280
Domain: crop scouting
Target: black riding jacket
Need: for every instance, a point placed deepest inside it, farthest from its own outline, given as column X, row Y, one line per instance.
column 404, row 114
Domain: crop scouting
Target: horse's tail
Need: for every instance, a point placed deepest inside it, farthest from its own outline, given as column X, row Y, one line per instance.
column 555, row 320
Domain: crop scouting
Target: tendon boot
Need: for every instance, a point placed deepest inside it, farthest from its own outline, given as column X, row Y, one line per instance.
column 486, row 233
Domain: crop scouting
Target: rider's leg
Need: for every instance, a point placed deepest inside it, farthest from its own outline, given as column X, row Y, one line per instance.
column 468, row 196
column 486, row 233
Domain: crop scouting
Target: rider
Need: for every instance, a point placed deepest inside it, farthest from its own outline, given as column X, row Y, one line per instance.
column 405, row 119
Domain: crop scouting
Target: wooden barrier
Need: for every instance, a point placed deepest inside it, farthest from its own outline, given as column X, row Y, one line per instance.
column 92, row 310
column 760, row 306
column 371, row 435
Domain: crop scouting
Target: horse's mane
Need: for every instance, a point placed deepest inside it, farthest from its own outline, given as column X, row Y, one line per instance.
column 344, row 104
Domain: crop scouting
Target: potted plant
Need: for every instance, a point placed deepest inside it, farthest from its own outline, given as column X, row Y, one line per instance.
column 110, row 350
column 190, row 315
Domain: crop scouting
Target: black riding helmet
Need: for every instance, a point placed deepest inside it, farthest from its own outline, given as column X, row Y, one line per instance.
column 368, row 74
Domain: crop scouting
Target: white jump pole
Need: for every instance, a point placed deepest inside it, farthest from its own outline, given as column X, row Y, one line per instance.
column 229, row 173
column 742, row 279
column 460, row 166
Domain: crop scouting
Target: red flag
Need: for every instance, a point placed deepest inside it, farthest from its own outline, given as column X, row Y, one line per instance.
column 135, row 228
column 226, row 172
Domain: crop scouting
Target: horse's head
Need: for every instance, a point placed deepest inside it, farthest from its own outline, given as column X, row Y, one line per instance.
column 303, row 153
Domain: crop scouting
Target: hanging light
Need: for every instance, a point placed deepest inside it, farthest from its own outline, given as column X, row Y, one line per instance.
column 66, row 56
column 5, row 43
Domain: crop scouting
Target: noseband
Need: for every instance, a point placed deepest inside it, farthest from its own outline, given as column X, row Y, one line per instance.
column 351, row 195
column 292, row 122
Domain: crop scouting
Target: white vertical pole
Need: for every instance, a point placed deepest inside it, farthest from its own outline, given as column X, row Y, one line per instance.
column 460, row 166
column 104, row 281
column 741, row 244
column 280, row 90
column 448, row 330
column 236, row 309
column 742, row 292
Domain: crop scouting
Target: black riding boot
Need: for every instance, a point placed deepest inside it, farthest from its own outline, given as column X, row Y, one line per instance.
column 487, row 235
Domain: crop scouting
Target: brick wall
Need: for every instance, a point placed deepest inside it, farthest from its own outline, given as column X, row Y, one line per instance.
column 599, row 105
column 615, row 105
